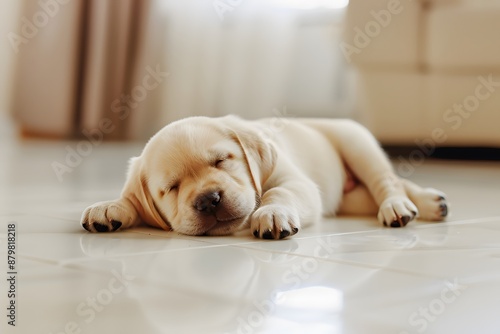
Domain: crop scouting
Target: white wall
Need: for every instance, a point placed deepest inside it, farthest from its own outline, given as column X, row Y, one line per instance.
column 257, row 60
column 8, row 22
column 320, row 81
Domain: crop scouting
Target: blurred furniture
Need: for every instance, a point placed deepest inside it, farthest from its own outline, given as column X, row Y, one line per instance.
column 428, row 72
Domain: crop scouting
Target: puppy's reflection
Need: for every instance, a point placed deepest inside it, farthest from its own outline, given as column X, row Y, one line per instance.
column 175, row 285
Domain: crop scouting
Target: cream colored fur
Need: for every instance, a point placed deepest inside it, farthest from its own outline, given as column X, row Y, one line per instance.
column 215, row 176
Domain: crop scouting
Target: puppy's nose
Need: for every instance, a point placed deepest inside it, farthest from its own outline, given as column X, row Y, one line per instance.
column 207, row 202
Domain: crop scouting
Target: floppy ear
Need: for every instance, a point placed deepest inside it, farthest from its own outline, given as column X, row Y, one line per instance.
column 259, row 153
column 136, row 190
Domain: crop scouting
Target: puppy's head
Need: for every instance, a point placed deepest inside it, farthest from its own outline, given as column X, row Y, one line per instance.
column 201, row 175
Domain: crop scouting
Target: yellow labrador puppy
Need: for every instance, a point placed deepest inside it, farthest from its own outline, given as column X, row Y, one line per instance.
column 214, row 176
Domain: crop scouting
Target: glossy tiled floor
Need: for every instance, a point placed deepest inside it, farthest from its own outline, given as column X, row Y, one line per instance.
column 346, row 275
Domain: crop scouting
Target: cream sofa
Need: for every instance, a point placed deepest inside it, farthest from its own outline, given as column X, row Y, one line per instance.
column 427, row 71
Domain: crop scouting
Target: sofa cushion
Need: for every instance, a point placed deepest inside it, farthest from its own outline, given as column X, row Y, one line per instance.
column 465, row 107
column 462, row 34
column 382, row 32
column 390, row 104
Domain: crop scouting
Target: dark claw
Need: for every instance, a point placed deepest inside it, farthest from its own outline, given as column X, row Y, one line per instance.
column 405, row 220
column 268, row 235
column 294, row 230
column 256, row 233
column 444, row 210
column 86, row 226
column 116, row 225
column 101, row 227
column 284, row 234
column 395, row 224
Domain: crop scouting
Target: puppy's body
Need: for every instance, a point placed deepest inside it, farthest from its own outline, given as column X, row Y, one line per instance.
column 312, row 153
column 215, row 176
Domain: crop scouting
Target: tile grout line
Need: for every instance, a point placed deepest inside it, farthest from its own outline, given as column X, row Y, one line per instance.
column 347, row 262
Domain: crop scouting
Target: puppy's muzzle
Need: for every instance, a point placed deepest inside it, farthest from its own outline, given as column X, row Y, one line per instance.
column 207, row 203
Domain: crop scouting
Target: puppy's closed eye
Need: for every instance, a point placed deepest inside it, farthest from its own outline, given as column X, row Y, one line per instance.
column 169, row 189
column 222, row 159
column 173, row 188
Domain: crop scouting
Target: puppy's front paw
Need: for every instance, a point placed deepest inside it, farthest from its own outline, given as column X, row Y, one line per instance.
column 275, row 222
column 107, row 217
column 397, row 211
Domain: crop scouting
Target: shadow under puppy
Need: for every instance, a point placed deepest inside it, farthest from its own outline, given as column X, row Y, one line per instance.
column 215, row 176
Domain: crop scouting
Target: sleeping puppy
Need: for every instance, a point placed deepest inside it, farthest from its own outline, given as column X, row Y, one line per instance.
column 215, row 176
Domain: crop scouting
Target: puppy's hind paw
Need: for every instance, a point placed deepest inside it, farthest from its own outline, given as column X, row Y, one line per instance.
column 397, row 211
column 433, row 204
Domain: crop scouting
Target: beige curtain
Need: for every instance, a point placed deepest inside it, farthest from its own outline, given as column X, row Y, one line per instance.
column 77, row 64
column 125, row 68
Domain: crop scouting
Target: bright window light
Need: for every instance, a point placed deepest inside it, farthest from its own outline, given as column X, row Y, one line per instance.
column 311, row 4
column 315, row 298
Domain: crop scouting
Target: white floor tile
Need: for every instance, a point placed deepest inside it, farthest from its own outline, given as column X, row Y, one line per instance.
column 241, row 288
column 345, row 275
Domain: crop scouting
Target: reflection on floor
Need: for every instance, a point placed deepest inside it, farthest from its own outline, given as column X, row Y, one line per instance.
column 346, row 275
